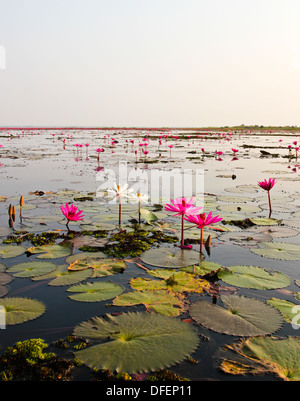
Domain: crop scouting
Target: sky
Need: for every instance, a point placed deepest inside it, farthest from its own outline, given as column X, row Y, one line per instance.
column 141, row 63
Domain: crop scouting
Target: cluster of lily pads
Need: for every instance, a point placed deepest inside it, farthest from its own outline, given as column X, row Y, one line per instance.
column 177, row 281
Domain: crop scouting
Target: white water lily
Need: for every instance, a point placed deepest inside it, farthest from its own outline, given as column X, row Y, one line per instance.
column 139, row 198
column 120, row 191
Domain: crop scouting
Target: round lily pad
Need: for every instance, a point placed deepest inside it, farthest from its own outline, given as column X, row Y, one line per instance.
column 243, row 208
column 2, row 267
column 253, row 277
column 205, row 267
column 289, row 310
column 160, row 301
column 260, row 355
column 275, row 231
column 20, row 310
column 31, row 269
column 170, row 257
column 278, row 250
column 172, row 281
column 95, row 292
column 242, row 316
column 5, row 278
column 4, row 231
column 11, row 251
column 244, row 238
column 241, row 189
column 62, row 276
column 50, row 251
column 136, row 342
column 261, row 221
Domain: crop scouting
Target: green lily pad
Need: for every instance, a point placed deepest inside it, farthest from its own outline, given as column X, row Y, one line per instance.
column 101, row 267
column 253, row 277
column 11, row 251
column 243, row 208
column 85, row 255
column 171, row 281
column 278, row 250
column 241, row 189
column 136, row 342
column 245, row 238
column 205, row 267
column 5, row 278
column 262, row 355
column 242, row 316
column 170, row 257
column 50, row 251
column 95, row 292
column 275, row 231
column 62, row 276
column 161, row 302
column 289, row 311
column 5, row 231
column 2, row 267
column 260, row 221
column 20, row 310
column 31, row 269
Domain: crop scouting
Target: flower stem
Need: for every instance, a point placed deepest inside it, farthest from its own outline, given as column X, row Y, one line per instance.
column 182, row 230
column 120, row 211
column 270, row 207
column 201, row 240
column 139, row 212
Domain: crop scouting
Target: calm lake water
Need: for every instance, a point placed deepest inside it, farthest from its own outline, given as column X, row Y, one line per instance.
column 49, row 161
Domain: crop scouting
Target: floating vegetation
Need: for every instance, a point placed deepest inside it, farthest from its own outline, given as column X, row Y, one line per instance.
column 159, row 301
column 136, row 342
column 242, row 316
column 62, row 276
column 94, row 292
column 278, row 250
column 31, row 269
column 11, row 251
column 20, row 310
column 50, row 251
column 264, row 355
column 253, row 277
column 170, row 257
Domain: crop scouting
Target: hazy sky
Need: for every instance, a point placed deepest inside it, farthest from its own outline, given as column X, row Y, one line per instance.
column 146, row 63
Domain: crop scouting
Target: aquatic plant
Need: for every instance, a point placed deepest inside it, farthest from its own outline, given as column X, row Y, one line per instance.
column 118, row 192
column 267, row 185
column 71, row 213
column 182, row 208
column 201, row 221
column 139, row 198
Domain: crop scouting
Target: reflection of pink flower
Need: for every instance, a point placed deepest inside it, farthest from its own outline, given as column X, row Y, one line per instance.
column 71, row 213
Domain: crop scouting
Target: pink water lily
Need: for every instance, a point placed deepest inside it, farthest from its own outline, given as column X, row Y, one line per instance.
column 71, row 213
column 201, row 221
column 267, row 185
column 182, row 208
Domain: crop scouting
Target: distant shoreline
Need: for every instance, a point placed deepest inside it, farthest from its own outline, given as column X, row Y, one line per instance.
column 207, row 129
